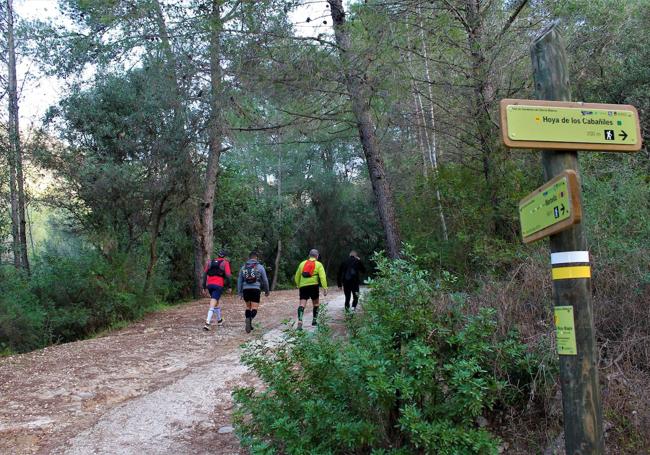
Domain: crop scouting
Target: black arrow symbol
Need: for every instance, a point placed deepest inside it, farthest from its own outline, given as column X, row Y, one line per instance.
column 562, row 208
column 623, row 135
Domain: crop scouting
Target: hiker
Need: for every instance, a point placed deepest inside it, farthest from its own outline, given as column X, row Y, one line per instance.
column 251, row 282
column 309, row 276
column 349, row 278
column 215, row 277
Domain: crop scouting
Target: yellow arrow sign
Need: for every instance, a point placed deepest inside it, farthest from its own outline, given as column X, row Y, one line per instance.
column 551, row 208
column 570, row 126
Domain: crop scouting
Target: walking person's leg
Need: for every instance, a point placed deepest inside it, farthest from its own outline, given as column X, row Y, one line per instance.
column 304, row 295
column 208, row 320
column 316, row 303
column 252, row 298
column 348, row 293
column 248, row 318
column 301, row 311
column 355, row 296
column 215, row 306
column 217, row 311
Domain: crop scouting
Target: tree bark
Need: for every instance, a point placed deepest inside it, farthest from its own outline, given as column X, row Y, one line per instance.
column 19, row 228
column 581, row 402
column 204, row 218
column 158, row 216
column 483, row 97
column 276, row 271
column 359, row 93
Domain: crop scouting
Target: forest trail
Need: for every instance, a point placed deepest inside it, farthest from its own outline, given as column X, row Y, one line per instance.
column 159, row 386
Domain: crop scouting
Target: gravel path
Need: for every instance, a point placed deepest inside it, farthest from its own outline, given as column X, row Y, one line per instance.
column 160, row 386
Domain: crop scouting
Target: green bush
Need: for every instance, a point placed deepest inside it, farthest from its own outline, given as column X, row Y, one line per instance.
column 69, row 296
column 414, row 376
column 22, row 317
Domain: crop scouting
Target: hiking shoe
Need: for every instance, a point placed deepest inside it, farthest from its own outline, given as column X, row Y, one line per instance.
column 249, row 325
column 220, row 322
column 206, row 327
column 299, row 325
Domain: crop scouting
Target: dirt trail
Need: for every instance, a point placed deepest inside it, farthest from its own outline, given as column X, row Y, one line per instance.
column 160, row 386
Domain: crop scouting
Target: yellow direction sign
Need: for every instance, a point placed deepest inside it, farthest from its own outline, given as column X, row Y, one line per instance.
column 565, row 330
column 570, row 126
column 551, row 208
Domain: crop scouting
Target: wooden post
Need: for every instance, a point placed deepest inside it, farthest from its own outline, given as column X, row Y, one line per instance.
column 583, row 427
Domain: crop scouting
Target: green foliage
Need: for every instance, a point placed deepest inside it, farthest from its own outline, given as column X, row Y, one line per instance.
column 617, row 207
column 22, row 316
column 472, row 248
column 413, row 376
column 68, row 297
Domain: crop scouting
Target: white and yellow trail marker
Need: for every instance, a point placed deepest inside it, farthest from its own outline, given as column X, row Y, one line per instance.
column 569, row 265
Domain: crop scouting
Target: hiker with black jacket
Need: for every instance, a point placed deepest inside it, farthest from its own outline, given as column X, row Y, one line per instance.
column 349, row 278
column 250, row 284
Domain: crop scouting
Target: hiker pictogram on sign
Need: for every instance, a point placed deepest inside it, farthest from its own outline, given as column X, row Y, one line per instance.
column 609, row 135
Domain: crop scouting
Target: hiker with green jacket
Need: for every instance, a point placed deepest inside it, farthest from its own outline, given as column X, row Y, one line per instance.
column 309, row 276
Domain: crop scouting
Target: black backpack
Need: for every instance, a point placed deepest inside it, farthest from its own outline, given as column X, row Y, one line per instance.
column 350, row 273
column 251, row 273
column 217, row 268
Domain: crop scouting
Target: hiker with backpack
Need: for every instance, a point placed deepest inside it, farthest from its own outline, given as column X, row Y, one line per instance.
column 349, row 278
column 251, row 282
column 215, row 278
column 309, row 276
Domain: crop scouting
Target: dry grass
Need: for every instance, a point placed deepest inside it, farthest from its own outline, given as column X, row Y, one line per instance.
column 622, row 315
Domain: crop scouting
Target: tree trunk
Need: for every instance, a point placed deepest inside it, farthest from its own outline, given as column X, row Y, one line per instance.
column 19, row 228
column 158, row 217
column 359, row 92
column 433, row 146
column 276, row 271
column 483, row 96
column 204, row 218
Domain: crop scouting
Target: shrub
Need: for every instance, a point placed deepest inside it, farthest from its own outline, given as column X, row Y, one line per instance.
column 414, row 376
column 22, row 319
column 69, row 296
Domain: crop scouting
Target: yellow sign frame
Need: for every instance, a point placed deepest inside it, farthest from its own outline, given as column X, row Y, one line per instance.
column 552, row 143
column 575, row 208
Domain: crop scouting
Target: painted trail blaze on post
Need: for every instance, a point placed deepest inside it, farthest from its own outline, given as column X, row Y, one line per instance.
column 568, row 265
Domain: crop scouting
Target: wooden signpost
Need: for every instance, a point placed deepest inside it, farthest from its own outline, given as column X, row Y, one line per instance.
column 551, row 208
column 559, row 128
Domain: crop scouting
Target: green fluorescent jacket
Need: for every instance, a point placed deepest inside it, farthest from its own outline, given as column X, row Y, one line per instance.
column 318, row 277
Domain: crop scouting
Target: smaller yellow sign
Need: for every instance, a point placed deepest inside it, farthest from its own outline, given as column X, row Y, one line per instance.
column 565, row 333
column 551, row 208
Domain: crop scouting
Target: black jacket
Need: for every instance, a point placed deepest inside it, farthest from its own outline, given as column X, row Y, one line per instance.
column 350, row 271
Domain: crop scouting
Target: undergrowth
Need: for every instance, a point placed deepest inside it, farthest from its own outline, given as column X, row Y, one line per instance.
column 415, row 375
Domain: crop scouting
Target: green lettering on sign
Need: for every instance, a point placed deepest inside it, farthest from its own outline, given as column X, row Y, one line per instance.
column 565, row 331
column 565, row 124
column 545, row 209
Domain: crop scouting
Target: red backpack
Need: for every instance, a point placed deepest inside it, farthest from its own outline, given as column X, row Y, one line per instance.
column 308, row 269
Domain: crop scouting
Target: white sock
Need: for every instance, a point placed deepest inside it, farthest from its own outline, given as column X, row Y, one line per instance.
column 210, row 311
column 218, row 310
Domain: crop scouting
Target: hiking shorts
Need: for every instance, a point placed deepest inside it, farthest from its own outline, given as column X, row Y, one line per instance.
column 309, row 292
column 252, row 295
column 215, row 291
